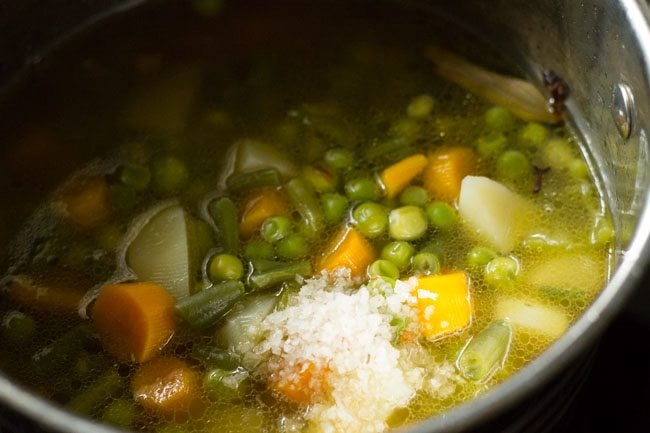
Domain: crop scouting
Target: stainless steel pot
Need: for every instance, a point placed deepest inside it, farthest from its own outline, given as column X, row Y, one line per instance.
column 600, row 47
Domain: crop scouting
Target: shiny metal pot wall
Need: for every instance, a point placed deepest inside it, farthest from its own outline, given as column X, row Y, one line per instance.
column 600, row 47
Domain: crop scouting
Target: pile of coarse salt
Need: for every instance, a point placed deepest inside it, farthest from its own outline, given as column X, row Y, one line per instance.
column 345, row 331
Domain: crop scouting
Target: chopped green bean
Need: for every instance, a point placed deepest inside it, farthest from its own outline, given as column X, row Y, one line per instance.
column 420, row 107
column 225, row 267
column 215, row 357
column 384, row 269
column 244, row 181
column 425, row 263
column 292, row 247
column 170, row 175
column 362, row 188
column 441, row 215
column 392, row 149
column 18, row 327
column 304, row 200
column 258, row 249
column 334, row 207
column 281, row 272
column 478, row 257
column 414, row 196
column 512, row 164
column 224, row 214
column 120, row 413
column 492, row 144
column 407, row 223
column 226, row 386
column 339, row 158
column 136, row 176
column 62, row 351
column 399, row 253
column 106, row 387
column 485, row 352
column 501, row 272
column 321, row 178
column 499, row 119
column 275, row 228
column 371, row 219
column 208, row 306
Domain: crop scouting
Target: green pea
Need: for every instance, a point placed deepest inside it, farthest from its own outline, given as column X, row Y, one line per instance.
column 425, row 263
column 441, row 215
column 499, row 119
column 512, row 164
column 18, row 327
column 478, row 257
column 370, row 219
column 170, row 175
column 136, row 176
column 120, row 413
column 491, row 144
column 501, row 272
column 334, row 207
column 579, row 169
column 362, row 189
column 258, row 249
column 414, row 196
column 275, row 228
column 225, row 267
column 292, row 247
column 407, row 130
column 407, row 223
column 420, row 106
column 339, row 158
column 321, row 179
column 533, row 134
column 384, row 269
column 399, row 253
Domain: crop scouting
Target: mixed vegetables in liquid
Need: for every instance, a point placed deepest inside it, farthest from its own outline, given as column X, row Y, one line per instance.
column 263, row 198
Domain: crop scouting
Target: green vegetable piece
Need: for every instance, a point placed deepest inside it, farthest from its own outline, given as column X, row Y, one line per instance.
column 170, row 175
column 579, row 169
column 512, row 164
column 420, row 107
column 120, row 413
column 499, row 119
column 399, row 253
column 603, row 231
column 207, row 307
column 258, row 249
column 384, row 269
column 425, row 263
column 371, row 219
column 339, row 158
column 485, row 352
column 61, row 352
column 108, row 386
column 213, row 356
column 492, row 144
column 407, row 223
column 239, row 182
column 226, row 386
column 362, row 189
column 136, row 176
column 478, row 257
column 292, row 247
column 225, row 267
column 280, row 272
column 18, row 327
column 334, row 207
column 207, row 8
column 441, row 215
column 304, row 200
column 501, row 272
column 406, row 130
column 414, row 196
column 321, row 178
column 224, row 215
column 533, row 134
column 275, row 228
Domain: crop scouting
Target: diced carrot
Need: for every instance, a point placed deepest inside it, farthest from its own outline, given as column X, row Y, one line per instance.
column 300, row 385
column 86, row 204
column 447, row 168
column 348, row 249
column 168, row 387
column 58, row 296
column 135, row 320
column 264, row 203
column 443, row 304
column 396, row 177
